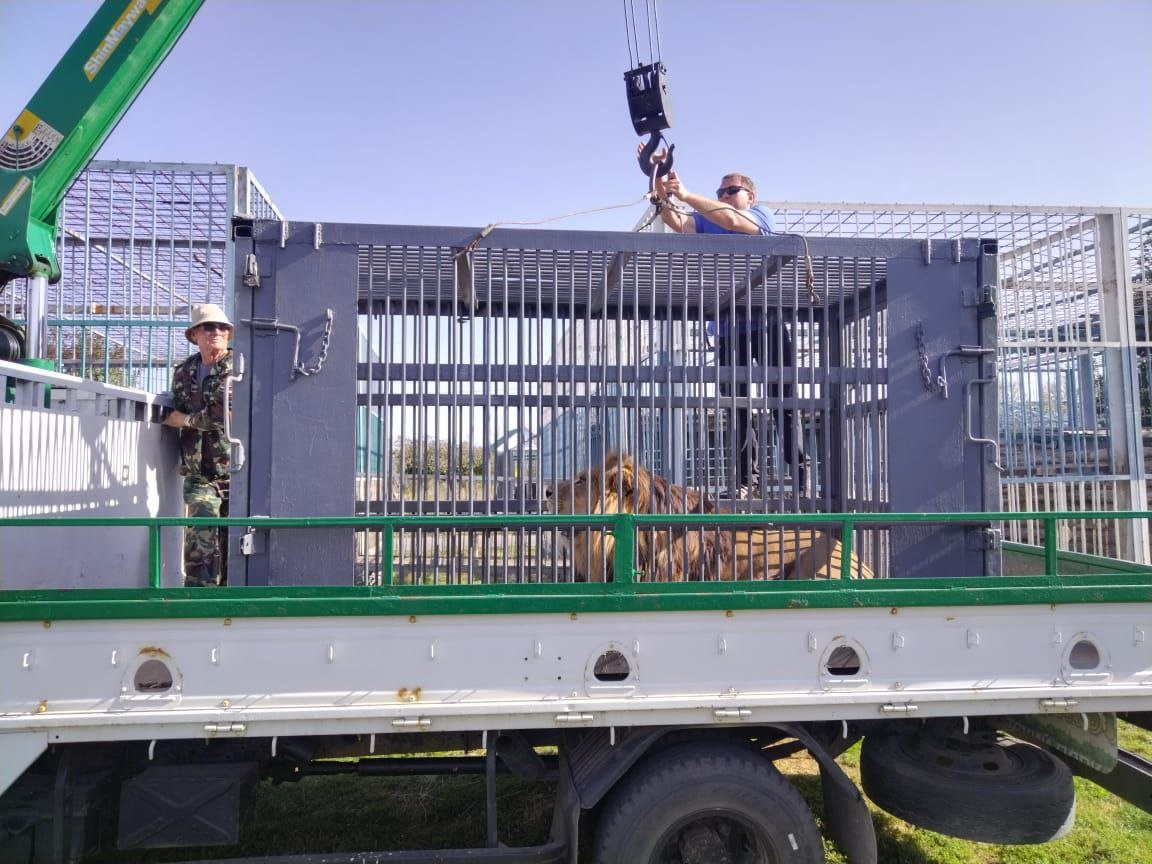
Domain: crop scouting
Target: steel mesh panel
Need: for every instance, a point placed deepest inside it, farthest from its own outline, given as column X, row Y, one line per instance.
column 483, row 390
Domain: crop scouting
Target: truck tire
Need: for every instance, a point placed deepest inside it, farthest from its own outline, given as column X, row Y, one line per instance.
column 706, row 803
column 985, row 789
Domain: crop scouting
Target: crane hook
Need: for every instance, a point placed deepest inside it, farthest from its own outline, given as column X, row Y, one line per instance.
column 648, row 150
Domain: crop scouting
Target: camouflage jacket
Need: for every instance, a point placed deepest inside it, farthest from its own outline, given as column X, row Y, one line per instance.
column 204, row 450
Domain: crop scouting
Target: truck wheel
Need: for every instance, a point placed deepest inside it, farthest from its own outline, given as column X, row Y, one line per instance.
column 706, row 803
column 977, row 787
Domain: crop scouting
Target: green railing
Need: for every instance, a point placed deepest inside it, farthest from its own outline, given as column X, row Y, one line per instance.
column 623, row 527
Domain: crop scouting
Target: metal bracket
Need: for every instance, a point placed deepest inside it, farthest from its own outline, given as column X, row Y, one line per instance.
column 987, row 302
column 297, row 367
column 983, row 539
column 236, row 456
column 251, row 277
column 317, row 236
column 253, row 542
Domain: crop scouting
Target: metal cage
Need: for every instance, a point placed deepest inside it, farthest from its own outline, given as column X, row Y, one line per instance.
column 475, row 375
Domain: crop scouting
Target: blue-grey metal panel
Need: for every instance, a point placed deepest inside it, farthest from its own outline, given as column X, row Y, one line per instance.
column 935, row 466
column 301, row 428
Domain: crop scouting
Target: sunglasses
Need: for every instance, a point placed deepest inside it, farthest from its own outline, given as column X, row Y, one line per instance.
column 727, row 190
column 212, row 327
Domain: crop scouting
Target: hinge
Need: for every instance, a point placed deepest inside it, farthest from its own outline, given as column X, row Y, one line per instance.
column 411, row 722
column 987, row 302
column 229, row 728
column 574, row 717
column 1058, row 704
column 732, row 713
column 899, row 708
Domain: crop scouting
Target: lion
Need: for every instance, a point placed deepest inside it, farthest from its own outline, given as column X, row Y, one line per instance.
column 687, row 553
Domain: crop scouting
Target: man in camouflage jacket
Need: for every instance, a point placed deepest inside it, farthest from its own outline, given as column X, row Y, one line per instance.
column 198, row 395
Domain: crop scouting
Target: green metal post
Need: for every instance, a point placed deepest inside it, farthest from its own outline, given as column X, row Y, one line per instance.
column 624, row 529
column 389, row 541
column 1051, row 558
column 154, row 556
column 846, row 528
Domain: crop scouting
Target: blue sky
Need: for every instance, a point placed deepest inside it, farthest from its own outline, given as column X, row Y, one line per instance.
column 465, row 113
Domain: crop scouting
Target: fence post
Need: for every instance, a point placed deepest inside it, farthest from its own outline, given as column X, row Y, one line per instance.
column 846, row 549
column 1118, row 333
column 154, row 555
column 624, row 529
column 389, row 541
column 1051, row 557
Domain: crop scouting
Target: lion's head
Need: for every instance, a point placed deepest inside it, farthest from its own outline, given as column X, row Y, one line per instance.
column 619, row 485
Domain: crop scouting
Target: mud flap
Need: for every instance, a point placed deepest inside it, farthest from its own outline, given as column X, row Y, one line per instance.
column 1087, row 738
column 845, row 811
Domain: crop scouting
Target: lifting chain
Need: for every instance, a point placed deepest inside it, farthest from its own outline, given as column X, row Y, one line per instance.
column 933, row 384
column 325, row 342
column 275, row 326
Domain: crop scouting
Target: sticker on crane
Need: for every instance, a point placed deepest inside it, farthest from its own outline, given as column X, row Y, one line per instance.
column 14, row 195
column 32, row 144
column 116, row 35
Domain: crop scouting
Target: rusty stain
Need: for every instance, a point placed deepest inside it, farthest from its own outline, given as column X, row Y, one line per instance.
column 893, row 611
column 47, row 625
column 42, row 707
column 406, row 695
column 411, row 619
column 153, row 651
column 728, row 613
column 573, row 616
column 227, row 622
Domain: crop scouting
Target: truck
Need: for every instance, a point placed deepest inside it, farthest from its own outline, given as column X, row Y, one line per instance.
column 412, row 411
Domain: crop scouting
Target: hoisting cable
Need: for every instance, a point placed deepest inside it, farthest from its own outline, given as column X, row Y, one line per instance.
column 646, row 87
column 809, row 273
column 648, row 103
column 462, row 258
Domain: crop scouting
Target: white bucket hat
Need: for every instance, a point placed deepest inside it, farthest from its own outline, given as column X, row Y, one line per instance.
column 206, row 313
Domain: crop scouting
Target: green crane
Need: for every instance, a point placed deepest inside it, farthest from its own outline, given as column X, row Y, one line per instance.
column 70, row 116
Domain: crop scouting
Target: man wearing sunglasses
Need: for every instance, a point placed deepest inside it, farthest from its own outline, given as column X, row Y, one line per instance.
column 743, row 335
column 732, row 211
column 198, row 396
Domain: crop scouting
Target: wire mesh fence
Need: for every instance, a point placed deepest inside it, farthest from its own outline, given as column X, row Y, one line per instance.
column 1073, row 360
column 139, row 245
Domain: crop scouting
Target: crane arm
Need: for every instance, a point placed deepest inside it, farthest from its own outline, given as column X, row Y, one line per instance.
column 70, row 116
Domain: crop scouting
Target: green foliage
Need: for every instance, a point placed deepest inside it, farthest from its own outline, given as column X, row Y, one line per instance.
column 426, row 456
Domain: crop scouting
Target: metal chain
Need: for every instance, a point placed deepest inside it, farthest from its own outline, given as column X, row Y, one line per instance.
column 933, row 384
column 325, row 342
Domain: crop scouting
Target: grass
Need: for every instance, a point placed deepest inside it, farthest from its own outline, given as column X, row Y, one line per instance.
column 1107, row 831
column 348, row 813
